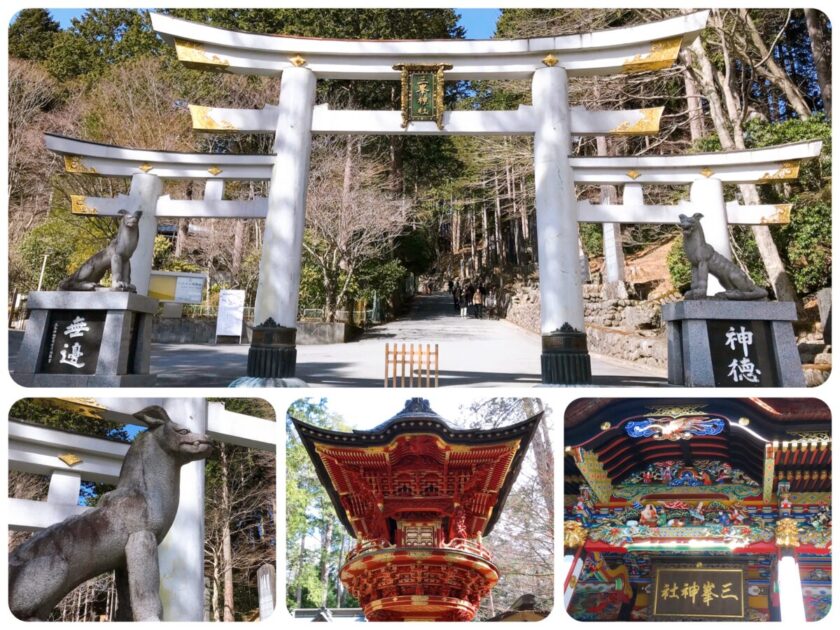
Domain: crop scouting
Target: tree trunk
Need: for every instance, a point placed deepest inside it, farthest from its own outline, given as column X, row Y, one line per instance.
column 326, row 540
column 217, row 614
column 299, row 571
column 227, row 555
column 696, row 119
column 771, row 70
column 821, row 50
column 497, row 218
column 238, row 248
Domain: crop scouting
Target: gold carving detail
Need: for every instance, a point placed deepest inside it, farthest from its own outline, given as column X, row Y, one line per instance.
column 646, row 125
column 633, row 174
column 706, row 171
column 214, row 170
column 787, row 533
column 663, row 53
column 70, row 459
column 75, row 164
column 78, row 205
column 550, row 60
column 298, row 61
column 677, row 412
column 574, row 534
column 203, row 121
column 194, row 53
column 789, row 170
column 145, row 167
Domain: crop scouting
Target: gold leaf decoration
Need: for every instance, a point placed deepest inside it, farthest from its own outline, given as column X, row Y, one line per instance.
column 71, row 459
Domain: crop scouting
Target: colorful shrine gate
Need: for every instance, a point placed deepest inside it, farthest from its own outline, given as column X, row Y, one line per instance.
column 418, row 496
column 718, row 510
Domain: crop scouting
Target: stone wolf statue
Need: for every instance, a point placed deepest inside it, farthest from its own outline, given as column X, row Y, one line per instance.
column 705, row 260
column 122, row 533
column 115, row 257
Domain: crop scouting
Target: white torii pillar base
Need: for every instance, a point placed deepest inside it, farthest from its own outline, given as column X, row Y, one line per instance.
column 273, row 353
column 565, row 358
column 791, row 604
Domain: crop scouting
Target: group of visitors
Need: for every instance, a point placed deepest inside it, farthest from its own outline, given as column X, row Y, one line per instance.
column 471, row 300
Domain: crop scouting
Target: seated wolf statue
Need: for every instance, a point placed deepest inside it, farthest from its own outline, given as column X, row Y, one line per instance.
column 705, row 260
column 116, row 257
column 121, row 534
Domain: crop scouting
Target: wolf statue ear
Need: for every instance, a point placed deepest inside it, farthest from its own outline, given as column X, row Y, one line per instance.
column 154, row 416
column 122, row 212
column 683, row 218
column 138, row 214
column 698, row 216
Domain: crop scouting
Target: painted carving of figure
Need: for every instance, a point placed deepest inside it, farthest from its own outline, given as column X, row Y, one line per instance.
column 583, row 509
column 707, row 480
column 662, row 520
column 724, row 474
column 697, row 515
column 723, row 518
column 785, row 504
column 649, row 516
column 647, row 477
column 458, row 528
column 666, row 475
column 737, row 515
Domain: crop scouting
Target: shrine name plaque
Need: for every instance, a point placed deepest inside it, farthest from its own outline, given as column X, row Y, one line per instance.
column 695, row 592
column 73, row 342
column 742, row 353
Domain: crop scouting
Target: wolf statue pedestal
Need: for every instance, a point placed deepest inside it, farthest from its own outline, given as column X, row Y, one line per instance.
column 731, row 339
column 717, row 343
column 86, row 339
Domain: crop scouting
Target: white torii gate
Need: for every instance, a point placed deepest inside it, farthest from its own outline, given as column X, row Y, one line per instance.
column 68, row 458
column 548, row 61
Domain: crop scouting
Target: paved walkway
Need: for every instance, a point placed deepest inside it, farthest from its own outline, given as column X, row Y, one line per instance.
column 472, row 353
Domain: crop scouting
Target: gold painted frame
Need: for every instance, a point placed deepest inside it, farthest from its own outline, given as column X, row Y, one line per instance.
column 406, row 69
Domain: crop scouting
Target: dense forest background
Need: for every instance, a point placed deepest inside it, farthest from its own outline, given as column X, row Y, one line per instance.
column 240, row 527
column 522, row 542
column 382, row 207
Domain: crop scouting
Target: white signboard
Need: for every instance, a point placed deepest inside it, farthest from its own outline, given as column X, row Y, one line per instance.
column 231, row 310
column 189, row 289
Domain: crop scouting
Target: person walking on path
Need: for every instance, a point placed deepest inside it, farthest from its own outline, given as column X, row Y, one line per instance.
column 456, row 295
column 464, row 303
column 478, row 304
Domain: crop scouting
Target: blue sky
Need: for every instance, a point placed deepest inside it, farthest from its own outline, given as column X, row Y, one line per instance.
column 479, row 23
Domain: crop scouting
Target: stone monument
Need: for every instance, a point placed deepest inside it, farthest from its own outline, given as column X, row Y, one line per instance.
column 121, row 534
column 87, row 335
column 714, row 341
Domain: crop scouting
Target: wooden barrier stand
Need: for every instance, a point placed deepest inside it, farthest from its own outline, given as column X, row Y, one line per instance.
column 421, row 359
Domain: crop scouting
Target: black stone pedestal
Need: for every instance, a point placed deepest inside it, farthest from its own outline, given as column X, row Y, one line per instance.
column 86, row 339
column 565, row 358
column 272, row 353
column 719, row 343
column 272, row 358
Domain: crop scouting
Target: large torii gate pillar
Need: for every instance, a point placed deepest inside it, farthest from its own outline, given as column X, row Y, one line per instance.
column 565, row 358
column 272, row 356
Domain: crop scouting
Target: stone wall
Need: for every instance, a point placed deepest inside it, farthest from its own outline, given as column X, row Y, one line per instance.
column 618, row 327
column 203, row 330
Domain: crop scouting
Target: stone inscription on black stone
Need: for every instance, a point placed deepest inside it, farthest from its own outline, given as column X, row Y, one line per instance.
column 742, row 353
column 698, row 593
column 73, row 343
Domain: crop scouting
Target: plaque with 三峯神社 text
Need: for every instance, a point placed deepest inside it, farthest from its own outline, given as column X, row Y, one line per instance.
column 422, row 86
column 694, row 592
column 743, row 354
column 422, row 92
column 73, row 342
